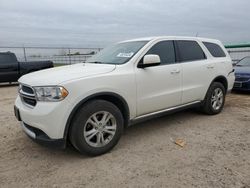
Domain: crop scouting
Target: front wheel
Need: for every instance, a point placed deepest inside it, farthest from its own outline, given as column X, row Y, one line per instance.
column 215, row 99
column 97, row 127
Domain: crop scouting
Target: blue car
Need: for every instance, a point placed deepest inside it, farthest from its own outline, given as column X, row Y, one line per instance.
column 242, row 75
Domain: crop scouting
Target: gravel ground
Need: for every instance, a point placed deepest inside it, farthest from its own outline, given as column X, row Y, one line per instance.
column 216, row 154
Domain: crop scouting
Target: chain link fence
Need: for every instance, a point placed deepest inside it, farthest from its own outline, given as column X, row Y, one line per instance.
column 64, row 55
column 238, row 52
column 58, row 55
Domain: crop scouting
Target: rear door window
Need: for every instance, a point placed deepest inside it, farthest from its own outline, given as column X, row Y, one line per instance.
column 214, row 49
column 189, row 51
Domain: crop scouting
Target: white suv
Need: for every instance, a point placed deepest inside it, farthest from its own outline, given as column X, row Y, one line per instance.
column 90, row 104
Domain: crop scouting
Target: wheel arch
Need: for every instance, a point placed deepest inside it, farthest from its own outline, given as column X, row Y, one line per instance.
column 114, row 98
column 221, row 79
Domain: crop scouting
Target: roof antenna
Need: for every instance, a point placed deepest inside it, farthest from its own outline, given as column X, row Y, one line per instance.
column 197, row 34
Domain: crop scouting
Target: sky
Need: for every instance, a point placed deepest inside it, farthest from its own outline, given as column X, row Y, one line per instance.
column 98, row 23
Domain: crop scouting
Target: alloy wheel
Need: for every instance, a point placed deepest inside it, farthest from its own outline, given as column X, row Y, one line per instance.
column 217, row 99
column 99, row 129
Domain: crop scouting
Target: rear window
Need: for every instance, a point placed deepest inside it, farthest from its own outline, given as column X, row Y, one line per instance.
column 190, row 51
column 214, row 49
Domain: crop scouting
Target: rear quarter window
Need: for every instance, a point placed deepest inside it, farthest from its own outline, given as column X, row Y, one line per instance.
column 214, row 49
column 190, row 51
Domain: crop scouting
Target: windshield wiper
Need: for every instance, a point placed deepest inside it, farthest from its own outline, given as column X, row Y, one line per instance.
column 96, row 62
column 101, row 62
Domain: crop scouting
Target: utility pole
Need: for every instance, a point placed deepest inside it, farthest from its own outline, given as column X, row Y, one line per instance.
column 24, row 53
column 69, row 57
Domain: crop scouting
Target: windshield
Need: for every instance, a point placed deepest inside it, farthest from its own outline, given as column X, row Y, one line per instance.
column 117, row 54
column 244, row 62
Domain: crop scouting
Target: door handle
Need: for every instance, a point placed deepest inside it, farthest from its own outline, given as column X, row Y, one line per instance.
column 175, row 71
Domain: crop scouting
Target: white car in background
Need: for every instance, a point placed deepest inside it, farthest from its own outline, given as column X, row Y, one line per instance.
column 90, row 104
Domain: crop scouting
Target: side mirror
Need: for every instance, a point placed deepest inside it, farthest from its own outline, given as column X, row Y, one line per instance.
column 150, row 60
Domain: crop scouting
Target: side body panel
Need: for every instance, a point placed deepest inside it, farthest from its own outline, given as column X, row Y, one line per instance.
column 197, row 76
column 158, row 88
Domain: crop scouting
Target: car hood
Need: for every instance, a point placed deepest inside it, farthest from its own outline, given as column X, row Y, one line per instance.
column 242, row 70
column 58, row 75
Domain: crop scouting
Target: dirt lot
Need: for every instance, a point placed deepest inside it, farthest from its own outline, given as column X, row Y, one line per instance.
column 217, row 153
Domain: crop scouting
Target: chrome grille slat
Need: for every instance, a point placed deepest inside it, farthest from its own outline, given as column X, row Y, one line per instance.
column 26, row 94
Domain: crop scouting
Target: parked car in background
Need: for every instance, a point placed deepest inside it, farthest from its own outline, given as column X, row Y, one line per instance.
column 11, row 69
column 90, row 104
column 242, row 75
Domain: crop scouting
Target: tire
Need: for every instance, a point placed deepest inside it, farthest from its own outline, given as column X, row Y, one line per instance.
column 213, row 104
column 96, row 128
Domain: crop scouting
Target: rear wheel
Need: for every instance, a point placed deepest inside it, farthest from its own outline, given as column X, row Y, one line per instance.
column 215, row 99
column 97, row 127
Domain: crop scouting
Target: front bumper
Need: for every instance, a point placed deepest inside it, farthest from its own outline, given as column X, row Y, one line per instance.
column 48, row 117
column 243, row 86
column 40, row 137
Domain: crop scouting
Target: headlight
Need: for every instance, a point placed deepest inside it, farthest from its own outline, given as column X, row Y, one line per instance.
column 50, row 93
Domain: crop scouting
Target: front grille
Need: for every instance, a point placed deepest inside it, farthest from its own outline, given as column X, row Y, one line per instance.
column 27, row 89
column 27, row 95
column 242, row 79
column 29, row 101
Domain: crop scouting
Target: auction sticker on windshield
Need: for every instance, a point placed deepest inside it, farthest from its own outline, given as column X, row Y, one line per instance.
column 125, row 54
